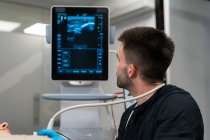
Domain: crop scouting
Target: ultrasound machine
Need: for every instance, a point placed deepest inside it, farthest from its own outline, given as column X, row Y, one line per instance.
column 80, row 37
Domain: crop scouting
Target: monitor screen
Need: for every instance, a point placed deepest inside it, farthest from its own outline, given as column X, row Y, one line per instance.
column 80, row 43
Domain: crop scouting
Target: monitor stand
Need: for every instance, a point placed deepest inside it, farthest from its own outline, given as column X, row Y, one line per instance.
column 80, row 83
column 79, row 91
column 83, row 117
column 70, row 95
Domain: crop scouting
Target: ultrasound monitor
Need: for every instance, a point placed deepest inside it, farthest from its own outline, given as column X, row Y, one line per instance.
column 80, row 43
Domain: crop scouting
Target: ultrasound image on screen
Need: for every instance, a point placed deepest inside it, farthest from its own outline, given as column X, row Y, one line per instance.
column 80, row 49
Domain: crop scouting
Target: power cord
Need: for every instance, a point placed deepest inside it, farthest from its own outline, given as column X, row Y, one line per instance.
column 63, row 135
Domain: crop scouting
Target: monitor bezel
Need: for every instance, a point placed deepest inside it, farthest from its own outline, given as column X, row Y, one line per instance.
column 79, row 77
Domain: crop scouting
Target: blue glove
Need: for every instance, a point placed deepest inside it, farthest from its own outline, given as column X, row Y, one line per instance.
column 50, row 133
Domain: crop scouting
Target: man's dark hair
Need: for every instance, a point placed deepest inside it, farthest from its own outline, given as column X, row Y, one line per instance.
column 150, row 50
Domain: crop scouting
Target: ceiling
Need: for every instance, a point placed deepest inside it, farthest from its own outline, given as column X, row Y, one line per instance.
column 48, row 3
column 29, row 12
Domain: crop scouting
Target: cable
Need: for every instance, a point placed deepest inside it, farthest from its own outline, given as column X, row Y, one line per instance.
column 115, row 126
column 113, row 51
column 51, row 122
column 63, row 135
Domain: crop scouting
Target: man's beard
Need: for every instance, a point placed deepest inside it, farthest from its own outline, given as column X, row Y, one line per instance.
column 123, row 81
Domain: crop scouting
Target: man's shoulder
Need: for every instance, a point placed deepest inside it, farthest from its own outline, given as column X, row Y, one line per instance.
column 176, row 96
column 176, row 101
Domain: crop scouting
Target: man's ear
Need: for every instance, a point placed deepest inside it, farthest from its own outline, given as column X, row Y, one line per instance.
column 132, row 71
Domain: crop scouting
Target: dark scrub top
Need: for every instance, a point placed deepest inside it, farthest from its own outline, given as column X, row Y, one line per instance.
column 170, row 114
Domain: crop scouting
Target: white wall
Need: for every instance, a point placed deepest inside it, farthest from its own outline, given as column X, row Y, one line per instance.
column 22, row 81
column 190, row 69
column 25, row 73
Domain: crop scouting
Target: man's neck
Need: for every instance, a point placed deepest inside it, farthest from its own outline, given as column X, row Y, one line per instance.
column 141, row 88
